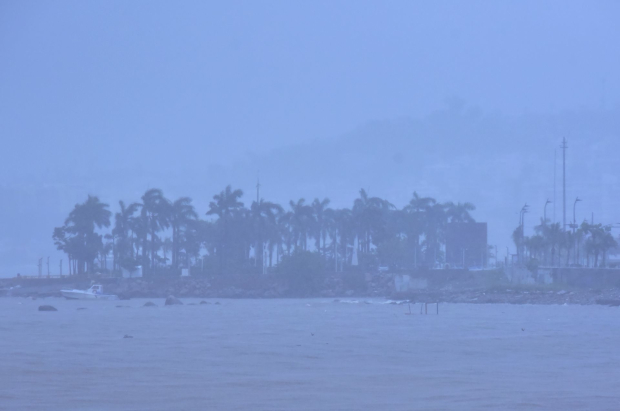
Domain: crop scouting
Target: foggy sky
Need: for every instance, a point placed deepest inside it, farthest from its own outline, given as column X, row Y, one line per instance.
column 111, row 98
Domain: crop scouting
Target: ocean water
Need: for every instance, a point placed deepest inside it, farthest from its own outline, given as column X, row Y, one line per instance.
column 306, row 355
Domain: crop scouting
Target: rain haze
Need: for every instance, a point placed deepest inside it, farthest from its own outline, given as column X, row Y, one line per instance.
column 472, row 141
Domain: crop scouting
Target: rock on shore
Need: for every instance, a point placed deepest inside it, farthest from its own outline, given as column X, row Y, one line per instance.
column 172, row 300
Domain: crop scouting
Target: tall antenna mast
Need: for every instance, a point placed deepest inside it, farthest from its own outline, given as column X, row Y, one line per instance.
column 564, row 146
column 555, row 154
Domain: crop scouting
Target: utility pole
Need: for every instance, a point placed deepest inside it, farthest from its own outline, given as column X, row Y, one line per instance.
column 61, row 267
column 564, row 146
column 48, row 267
column 577, row 243
column 555, row 154
column 521, row 248
column 259, row 223
column 40, row 266
column 523, row 233
column 574, row 209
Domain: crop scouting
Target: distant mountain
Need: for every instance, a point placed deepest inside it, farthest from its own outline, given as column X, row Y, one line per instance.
column 498, row 163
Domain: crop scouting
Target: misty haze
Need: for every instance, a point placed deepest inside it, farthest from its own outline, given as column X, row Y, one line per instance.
column 309, row 205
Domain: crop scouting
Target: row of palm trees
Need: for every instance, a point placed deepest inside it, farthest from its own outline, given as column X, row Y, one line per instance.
column 160, row 234
column 586, row 245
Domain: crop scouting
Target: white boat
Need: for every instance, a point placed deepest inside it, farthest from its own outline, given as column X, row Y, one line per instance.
column 95, row 292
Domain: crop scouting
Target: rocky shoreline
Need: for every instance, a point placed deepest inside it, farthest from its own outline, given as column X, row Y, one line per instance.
column 380, row 287
column 610, row 297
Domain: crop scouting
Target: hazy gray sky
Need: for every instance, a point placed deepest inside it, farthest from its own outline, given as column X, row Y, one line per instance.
column 218, row 79
column 114, row 97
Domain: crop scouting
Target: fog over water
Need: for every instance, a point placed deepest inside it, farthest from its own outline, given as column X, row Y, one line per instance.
column 462, row 103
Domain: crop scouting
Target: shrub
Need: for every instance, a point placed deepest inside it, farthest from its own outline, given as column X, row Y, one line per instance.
column 303, row 271
column 354, row 280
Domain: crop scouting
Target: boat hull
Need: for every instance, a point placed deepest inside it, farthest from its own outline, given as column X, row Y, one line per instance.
column 82, row 295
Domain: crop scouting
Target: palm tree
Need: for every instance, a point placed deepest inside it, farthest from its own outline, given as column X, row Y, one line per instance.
column 276, row 234
column 567, row 242
column 556, row 237
column 536, row 245
column 416, row 221
column 285, row 227
column 226, row 206
column 553, row 236
column 197, row 233
column 263, row 214
column 459, row 212
column 166, row 246
column 78, row 238
column 123, row 230
column 155, row 216
column 368, row 213
column 319, row 208
column 301, row 222
column 418, row 204
column 181, row 213
column 435, row 226
column 343, row 233
column 385, row 234
column 608, row 243
column 599, row 242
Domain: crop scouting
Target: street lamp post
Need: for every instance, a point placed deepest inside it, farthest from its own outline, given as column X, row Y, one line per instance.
column 521, row 241
column 522, row 215
column 574, row 207
column 545, row 212
column 576, row 254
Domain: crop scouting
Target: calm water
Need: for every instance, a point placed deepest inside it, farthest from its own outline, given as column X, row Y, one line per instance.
column 306, row 355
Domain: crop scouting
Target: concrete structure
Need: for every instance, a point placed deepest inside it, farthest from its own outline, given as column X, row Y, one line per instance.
column 466, row 245
column 137, row 273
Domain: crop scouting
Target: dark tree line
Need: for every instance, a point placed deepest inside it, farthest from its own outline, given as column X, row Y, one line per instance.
column 584, row 245
column 164, row 235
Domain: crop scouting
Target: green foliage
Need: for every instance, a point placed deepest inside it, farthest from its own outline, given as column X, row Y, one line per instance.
column 157, row 233
column 395, row 253
column 354, row 280
column 77, row 237
column 532, row 265
column 303, row 271
column 587, row 244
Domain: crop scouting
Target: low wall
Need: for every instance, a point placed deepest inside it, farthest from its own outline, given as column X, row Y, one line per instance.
column 448, row 278
column 584, row 277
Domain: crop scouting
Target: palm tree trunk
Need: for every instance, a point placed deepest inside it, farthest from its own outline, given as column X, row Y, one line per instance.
column 596, row 259
column 175, row 247
column 145, row 249
column 152, row 263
